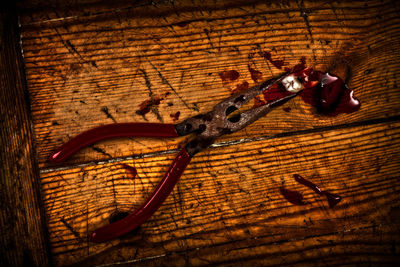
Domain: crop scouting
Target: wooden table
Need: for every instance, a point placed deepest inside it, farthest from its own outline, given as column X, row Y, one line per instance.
column 90, row 63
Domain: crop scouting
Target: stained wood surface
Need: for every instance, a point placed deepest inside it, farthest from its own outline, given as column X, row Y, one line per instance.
column 22, row 225
column 92, row 63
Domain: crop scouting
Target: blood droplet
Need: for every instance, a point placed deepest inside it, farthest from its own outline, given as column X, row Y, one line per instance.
column 277, row 63
column 240, row 87
column 328, row 93
column 256, row 75
column 229, row 75
column 146, row 105
column 132, row 172
column 175, row 116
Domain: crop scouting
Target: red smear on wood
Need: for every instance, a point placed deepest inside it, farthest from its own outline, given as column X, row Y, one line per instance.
column 277, row 63
column 240, row 88
column 132, row 172
column 275, row 92
column 175, row 116
column 146, row 105
column 327, row 92
column 229, row 75
column 258, row 102
column 256, row 75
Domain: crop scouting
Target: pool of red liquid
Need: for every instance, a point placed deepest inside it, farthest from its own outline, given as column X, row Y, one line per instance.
column 328, row 93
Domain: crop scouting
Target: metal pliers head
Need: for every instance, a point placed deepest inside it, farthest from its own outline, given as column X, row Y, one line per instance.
column 219, row 121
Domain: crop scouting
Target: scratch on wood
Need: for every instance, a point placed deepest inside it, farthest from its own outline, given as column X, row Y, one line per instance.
column 147, row 80
column 207, row 32
column 73, row 48
column 304, row 15
column 98, row 149
column 108, row 114
column 155, row 111
column 73, row 231
column 232, row 142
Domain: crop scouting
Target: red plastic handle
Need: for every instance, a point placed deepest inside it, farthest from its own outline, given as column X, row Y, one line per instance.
column 151, row 205
column 112, row 131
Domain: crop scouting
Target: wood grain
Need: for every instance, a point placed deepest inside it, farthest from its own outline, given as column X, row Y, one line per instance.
column 227, row 206
column 23, row 232
column 90, row 63
column 81, row 67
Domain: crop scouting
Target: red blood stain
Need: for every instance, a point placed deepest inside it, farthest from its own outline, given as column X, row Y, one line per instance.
column 229, row 75
column 277, row 63
column 327, row 92
column 298, row 67
column 275, row 92
column 146, row 105
column 132, row 172
column 258, row 102
column 175, row 116
column 256, row 75
column 240, row 87
column 292, row 196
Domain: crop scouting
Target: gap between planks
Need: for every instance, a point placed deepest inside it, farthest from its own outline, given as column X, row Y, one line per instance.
column 229, row 143
column 253, row 238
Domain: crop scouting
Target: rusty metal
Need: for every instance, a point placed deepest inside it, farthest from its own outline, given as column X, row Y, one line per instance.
column 217, row 122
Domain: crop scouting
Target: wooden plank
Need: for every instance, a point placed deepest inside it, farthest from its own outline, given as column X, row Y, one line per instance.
column 87, row 70
column 227, row 208
column 23, row 234
column 91, row 63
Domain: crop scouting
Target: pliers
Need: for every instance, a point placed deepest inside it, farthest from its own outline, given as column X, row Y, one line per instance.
column 207, row 128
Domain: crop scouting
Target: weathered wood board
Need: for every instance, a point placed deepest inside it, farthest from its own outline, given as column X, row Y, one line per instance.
column 92, row 63
column 23, row 231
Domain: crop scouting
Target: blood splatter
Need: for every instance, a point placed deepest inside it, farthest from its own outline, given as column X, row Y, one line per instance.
column 229, row 75
column 326, row 92
column 132, row 172
column 256, row 75
column 175, row 116
column 146, row 105
column 258, row 102
column 275, row 92
column 277, row 63
column 240, row 87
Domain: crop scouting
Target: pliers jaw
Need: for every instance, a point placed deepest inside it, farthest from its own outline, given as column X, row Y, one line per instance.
column 218, row 122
